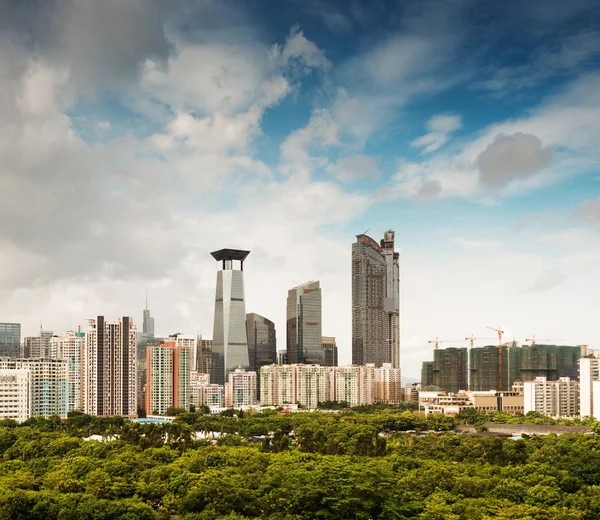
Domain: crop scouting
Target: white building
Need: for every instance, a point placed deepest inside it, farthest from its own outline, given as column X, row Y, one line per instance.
column 39, row 346
column 278, row 385
column 312, row 385
column 110, row 367
column 70, row 348
column 353, row 384
column 589, row 371
column 15, row 394
column 240, row 389
column 553, row 398
column 47, row 384
column 202, row 393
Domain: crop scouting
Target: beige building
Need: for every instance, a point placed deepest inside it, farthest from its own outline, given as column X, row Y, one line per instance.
column 15, row 394
column 240, row 389
column 410, row 392
column 70, row 348
column 278, row 385
column 110, row 367
column 553, row 398
column 488, row 401
column 202, row 393
column 312, row 385
column 353, row 384
column 388, row 384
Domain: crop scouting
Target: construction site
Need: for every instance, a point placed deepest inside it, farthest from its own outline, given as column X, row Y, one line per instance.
column 497, row 367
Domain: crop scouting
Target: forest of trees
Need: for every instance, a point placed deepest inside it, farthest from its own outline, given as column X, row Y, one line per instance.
column 349, row 464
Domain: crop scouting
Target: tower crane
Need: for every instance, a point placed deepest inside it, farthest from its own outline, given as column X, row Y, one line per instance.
column 532, row 339
column 471, row 339
column 500, row 333
column 436, row 341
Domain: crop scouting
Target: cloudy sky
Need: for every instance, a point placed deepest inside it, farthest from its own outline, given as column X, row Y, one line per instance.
column 138, row 136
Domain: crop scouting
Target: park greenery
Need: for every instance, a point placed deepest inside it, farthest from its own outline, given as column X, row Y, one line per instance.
column 343, row 463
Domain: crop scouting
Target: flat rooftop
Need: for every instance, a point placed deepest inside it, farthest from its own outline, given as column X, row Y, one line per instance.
column 230, row 254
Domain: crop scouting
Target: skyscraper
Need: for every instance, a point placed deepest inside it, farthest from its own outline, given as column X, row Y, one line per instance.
column 230, row 342
column 39, row 346
column 330, row 351
column 304, row 319
column 10, row 340
column 375, row 301
column 450, row 369
column 146, row 336
column 262, row 345
column 70, row 348
column 148, row 324
column 109, row 367
column 203, row 361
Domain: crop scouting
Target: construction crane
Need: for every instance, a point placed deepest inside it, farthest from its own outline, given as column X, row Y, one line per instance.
column 438, row 341
column 532, row 339
column 500, row 333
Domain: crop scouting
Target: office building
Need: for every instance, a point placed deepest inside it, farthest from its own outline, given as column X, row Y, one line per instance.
column 146, row 335
column 15, row 393
column 553, row 398
column 589, row 371
column 388, row 385
column 330, row 351
column 10, row 340
column 282, row 357
column 230, row 342
column 47, row 384
column 375, row 301
column 203, row 361
column 39, row 346
column 168, row 376
column 240, row 389
column 262, row 344
column 450, row 369
column 70, row 348
column 304, row 319
column 109, row 367
column 427, row 374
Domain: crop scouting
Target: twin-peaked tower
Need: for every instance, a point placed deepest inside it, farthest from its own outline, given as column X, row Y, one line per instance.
column 375, row 301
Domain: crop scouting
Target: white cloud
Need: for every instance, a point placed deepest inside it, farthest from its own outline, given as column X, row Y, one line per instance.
column 348, row 169
column 440, row 127
column 548, row 280
column 298, row 47
column 589, row 209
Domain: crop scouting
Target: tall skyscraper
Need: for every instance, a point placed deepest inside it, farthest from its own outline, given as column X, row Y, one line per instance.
column 204, row 350
column 146, row 336
column 304, row 320
column 262, row 346
column 330, row 351
column 375, row 301
column 230, row 342
column 10, row 340
column 109, row 367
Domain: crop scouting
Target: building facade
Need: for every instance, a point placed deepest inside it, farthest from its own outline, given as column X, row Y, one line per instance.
column 15, row 394
column 589, row 371
column 70, row 348
column 553, row 398
column 304, row 322
column 10, row 340
column 110, row 367
column 39, row 346
column 262, row 344
column 312, row 385
column 388, row 384
column 278, row 385
column 427, row 374
column 203, row 361
column 450, row 369
column 330, row 351
column 375, row 301
column 230, row 342
column 353, row 384
column 240, row 389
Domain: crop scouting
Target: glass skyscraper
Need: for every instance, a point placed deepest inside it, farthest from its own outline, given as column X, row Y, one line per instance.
column 230, row 342
column 10, row 340
column 262, row 344
column 304, row 320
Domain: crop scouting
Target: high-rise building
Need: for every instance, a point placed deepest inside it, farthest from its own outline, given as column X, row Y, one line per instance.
column 240, row 389
column 47, row 384
column 278, row 385
column 203, row 362
column 39, row 346
column 282, row 357
column 168, row 375
column 70, row 348
column 262, row 344
column 375, row 301
column 304, row 319
column 313, row 385
column 549, row 361
column 146, row 336
column 109, row 367
column 10, row 340
column 15, row 394
column 589, row 371
column 450, row 369
column 354, row 384
column 202, row 393
column 330, row 351
column 388, row 384
column 554, row 398
column 427, row 374
column 230, row 342
column 494, row 367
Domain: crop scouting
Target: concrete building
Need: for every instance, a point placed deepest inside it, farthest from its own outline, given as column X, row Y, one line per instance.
column 10, row 340
column 278, row 385
column 450, row 369
column 203, row 361
column 553, row 398
column 262, row 344
column 110, row 367
column 47, row 384
column 353, row 384
column 282, row 357
column 313, row 385
column 375, row 301
column 388, row 384
column 304, row 322
column 451, row 404
column 15, row 394
column 410, row 392
column 39, row 346
column 70, row 348
column 240, row 389
column 427, row 374
column 168, row 377
column 202, row 393
column 589, row 371
column 230, row 342
column 330, row 351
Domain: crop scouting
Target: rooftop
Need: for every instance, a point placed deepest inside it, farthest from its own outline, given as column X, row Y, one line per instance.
column 230, row 254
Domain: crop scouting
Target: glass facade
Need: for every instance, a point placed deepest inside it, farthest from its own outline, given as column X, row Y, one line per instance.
column 262, row 344
column 304, row 319
column 10, row 340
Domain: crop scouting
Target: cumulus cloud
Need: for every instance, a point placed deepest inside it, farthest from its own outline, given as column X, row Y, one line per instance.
column 548, row 280
column 348, row 169
column 512, row 156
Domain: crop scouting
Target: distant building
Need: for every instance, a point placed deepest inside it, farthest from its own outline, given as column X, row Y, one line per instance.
column 450, row 369
column 240, row 389
column 589, row 371
column 70, row 348
column 354, row 384
column 282, row 357
column 330, row 351
column 375, row 301
column 304, row 321
column 39, row 346
column 110, row 367
column 553, row 398
column 388, row 384
column 230, row 342
column 47, row 384
column 10, row 340
column 451, row 404
column 278, row 385
column 410, row 392
column 15, row 393
column 427, row 374
column 168, row 377
column 203, row 361
column 146, row 335
column 262, row 344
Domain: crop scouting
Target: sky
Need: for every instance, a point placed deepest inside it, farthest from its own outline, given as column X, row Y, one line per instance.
column 139, row 136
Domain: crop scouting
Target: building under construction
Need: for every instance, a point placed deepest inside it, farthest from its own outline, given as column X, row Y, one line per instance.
column 494, row 368
column 426, row 374
column 549, row 361
column 450, row 369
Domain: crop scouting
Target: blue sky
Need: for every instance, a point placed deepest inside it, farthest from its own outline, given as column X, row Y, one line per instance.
column 139, row 137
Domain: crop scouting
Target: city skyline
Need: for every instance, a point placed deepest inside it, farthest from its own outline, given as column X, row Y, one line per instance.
column 307, row 123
